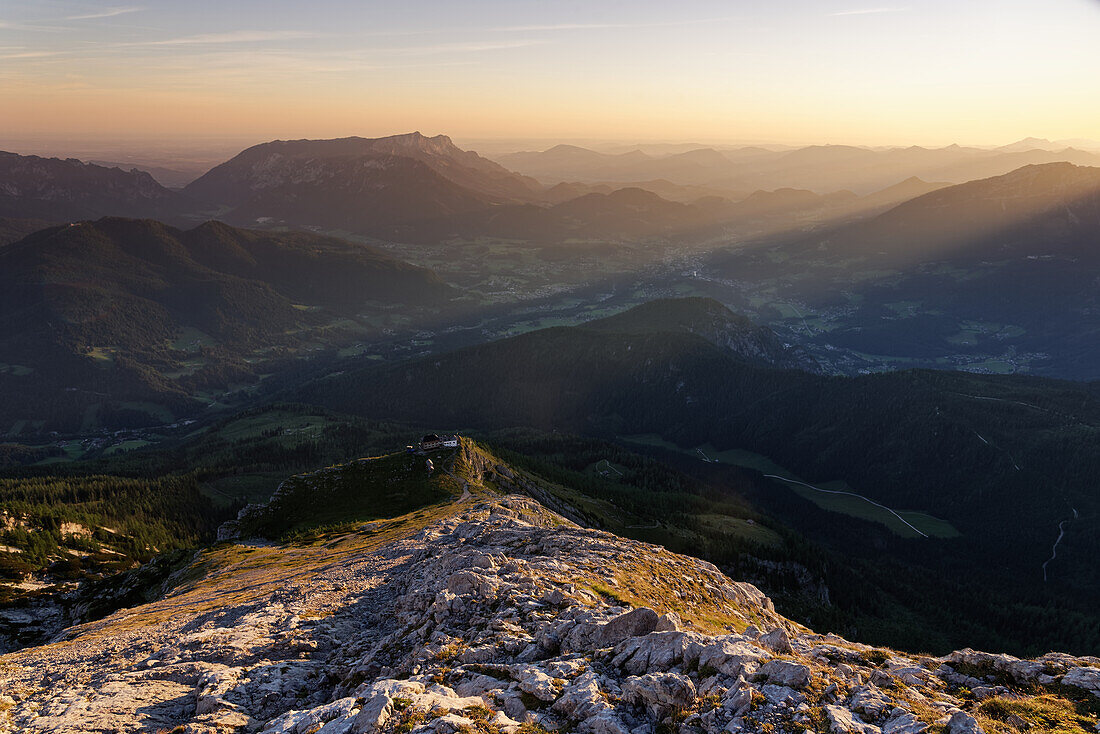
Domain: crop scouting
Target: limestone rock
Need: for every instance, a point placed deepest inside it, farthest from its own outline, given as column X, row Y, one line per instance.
column 1087, row 678
column 481, row 619
column 777, row 641
column 963, row 723
column 786, row 673
column 843, row 721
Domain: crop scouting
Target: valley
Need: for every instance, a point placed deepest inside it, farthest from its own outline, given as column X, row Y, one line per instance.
column 496, row 367
column 872, row 437
column 799, row 262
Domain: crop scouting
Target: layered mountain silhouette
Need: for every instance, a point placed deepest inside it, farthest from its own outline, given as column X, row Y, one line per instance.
column 1003, row 268
column 820, row 168
column 1039, row 210
column 426, row 189
column 630, row 213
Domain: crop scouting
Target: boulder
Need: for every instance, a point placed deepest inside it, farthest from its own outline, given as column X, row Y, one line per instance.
column 1086, row 678
column 843, row 721
column 786, row 673
column 581, row 699
column 660, row 692
column 963, row 723
column 654, row 652
column 604, row 723
column 669, row 622
column 781, row 694
column 537, row 683
column 452, row 724
column 731, row 655
column 640, row 621
column 777, row 641
column 212, row 687
column 871, row 701
column 374, row 715
column 391, row 688
column 737, row 698
column 904, row 723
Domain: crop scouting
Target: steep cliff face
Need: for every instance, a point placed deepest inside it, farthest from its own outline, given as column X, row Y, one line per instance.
column 492, row 614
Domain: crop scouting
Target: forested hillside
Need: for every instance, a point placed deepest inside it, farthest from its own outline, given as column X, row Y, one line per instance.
column 123, row 314
column 1003, row 460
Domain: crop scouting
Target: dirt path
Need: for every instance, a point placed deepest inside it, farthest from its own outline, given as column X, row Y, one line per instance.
column 465, row 485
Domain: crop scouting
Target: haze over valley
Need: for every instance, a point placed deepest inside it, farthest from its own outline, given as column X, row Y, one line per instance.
column 503, row 368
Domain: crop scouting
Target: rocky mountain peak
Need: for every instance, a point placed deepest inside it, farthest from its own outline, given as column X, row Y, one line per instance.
column 438, row 145
column 357, row 183
column 494, row 614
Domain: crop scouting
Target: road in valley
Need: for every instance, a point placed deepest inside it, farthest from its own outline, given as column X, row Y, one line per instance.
column 1054, row 550
column 850, row 494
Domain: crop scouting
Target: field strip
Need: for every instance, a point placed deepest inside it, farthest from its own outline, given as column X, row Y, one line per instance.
column 851, row 494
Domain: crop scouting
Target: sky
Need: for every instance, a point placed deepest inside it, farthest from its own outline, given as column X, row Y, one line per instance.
column 872, row 72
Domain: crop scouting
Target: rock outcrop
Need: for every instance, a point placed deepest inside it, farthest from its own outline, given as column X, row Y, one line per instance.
column 489, row 616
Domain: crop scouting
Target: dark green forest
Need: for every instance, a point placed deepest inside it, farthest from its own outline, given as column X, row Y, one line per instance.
column 877, row 587
column 1003, row 459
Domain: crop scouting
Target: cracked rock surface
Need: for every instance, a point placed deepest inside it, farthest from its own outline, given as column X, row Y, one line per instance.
column 488, row 616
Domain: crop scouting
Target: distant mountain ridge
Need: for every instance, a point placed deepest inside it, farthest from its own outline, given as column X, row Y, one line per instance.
column 1034, row 210
column 426, row 189
column 819, row 168
column 358, row 183
column 54, row 190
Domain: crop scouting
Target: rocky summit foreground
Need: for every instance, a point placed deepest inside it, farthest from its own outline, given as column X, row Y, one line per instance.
column 493, row 614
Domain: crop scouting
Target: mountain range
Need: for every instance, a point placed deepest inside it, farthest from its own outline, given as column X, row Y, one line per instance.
column 56, row 190
column 1027, row 232
column 128, row 309
column 1037, row 210
column 1006, row 265
column 818, row 168
column 385, row 436
column 425, row 189
column 357, row 183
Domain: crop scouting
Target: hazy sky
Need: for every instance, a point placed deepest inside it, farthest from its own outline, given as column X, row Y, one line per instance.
column 800, row 71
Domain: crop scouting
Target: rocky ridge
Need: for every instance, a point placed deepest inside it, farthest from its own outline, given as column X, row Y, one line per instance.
column 56, row 190
column 493, row 614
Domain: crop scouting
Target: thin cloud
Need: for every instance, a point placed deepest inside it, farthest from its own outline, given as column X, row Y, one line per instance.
column 107, row 12
column 559, row 27
column 470, row 47
column 29, row 54
column 867, row 11
column 7, row 25
column 230, row 37
column 602, row 26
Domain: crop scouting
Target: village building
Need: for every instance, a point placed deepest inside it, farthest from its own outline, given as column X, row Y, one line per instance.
column 432, row 442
